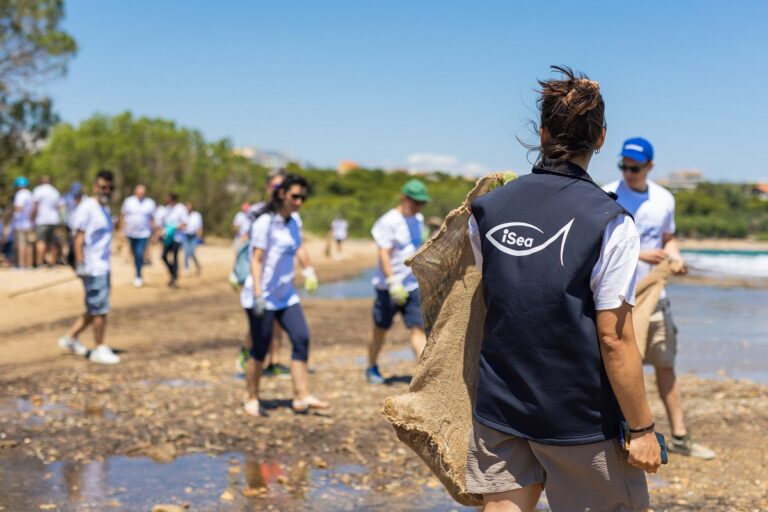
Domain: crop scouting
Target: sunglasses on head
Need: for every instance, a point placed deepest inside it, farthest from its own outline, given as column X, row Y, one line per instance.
column 630, row 168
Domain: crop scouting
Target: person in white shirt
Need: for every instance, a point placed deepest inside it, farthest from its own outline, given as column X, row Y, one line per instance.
column 269, row 294
column 240, row 225
column 137, row 220
column 174, row 223
column 92, row 222
column 193, row 235
column 22, row 223
column 398, row 234
column 653, row 208
column 339, row 232
column 45, row 215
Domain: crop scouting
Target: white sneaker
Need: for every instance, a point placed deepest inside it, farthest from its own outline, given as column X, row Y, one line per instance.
column 73, row 345
column 138, row 282
column 103, row 355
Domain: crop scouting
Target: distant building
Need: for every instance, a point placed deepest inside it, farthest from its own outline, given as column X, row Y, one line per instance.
column 266, row 158
column 682, row 180
column 760, row 190
column 345, row 166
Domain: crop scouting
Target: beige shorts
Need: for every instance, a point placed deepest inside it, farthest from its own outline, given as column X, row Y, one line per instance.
column 589, row 477
column 662, row 337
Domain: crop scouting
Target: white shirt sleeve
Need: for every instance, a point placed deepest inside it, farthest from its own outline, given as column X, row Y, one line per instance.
column 668, row 228
column 474, row 239
column 614, row 275
column 260, row 232
column 383, row 234
column 81, row 217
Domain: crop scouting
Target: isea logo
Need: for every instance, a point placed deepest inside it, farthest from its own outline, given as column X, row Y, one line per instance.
column 523, row 239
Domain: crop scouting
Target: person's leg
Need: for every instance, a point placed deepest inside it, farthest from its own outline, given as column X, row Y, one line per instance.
column 519, row 500
column 40, row 250
column 669, row 391
column 99, row 328
column 165, row 255
column 193, row 255
column 273, row 358
column 295, row 325
column 79, row 326
column 175, row 246
column 260, row 334
column 187, row 251
column 383, row 313
column 412, row 317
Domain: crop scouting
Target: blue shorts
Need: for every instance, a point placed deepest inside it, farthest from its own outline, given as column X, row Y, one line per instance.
column 384, row 310
column 97, row 294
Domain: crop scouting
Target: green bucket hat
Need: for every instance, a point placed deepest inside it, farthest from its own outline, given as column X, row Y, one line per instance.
column 416, row 190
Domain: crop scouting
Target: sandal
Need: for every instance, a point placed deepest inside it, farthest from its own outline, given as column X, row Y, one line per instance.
column 252, row 408
column 309, row 402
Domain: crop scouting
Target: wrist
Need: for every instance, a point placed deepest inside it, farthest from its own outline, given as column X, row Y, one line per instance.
column 393, row 281
column 645, row 428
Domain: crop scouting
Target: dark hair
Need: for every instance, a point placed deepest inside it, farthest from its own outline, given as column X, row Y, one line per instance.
column 105, row 174
column 572, row 113
column 290, row 180
column 174, row 197
column 274, row 173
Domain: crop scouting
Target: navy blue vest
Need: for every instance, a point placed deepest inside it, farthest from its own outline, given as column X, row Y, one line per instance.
column 541, row 373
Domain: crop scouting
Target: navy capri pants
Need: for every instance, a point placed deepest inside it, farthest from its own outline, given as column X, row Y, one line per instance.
column 291, row 320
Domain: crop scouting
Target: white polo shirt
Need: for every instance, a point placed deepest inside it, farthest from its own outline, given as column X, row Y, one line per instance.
column 402, row 235
column 137, row 214
column 340, row 227
column 654, row 213
column 48, row 201
column 175, row 217
column 95, row 221
column 280, row 239
column 194, row 223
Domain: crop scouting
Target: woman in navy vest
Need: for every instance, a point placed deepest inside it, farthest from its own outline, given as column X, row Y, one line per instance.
column 559, row 366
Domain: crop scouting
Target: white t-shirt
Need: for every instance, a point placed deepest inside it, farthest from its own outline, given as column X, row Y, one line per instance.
column 280, row 239
column 159, row 216
column 403, row 236
column 175, row 217
column 194, row 223
column 654, row 213
column 241, row 222
column 339, row 228
column 613, row 277
column 48, row 200
column 22, row 220
column 96, row 222
column 137, row 214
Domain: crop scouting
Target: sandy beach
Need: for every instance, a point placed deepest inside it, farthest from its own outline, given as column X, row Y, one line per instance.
column 173, row 408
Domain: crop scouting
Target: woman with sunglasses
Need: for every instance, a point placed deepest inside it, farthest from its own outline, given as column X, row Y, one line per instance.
column 269, row 295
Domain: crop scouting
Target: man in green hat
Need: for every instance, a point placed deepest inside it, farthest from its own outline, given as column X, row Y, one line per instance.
column 398, row 234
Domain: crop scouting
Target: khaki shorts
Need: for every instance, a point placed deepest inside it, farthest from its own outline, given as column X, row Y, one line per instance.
column 662, row 337
column 589, row 477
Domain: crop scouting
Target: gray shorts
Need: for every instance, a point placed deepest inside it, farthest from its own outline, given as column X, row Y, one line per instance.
column 97, row 294
column 45, row 233
column 595, row 476
column 662, row 337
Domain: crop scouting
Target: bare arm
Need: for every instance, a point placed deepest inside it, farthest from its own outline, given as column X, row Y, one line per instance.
column 33, row 215
column 257, row 265
column 79, row 244
column 672, row 249
column 303, row 256
column 385, row 256
column 624, row 368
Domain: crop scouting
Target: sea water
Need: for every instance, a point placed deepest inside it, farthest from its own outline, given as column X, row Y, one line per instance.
column 727, row 263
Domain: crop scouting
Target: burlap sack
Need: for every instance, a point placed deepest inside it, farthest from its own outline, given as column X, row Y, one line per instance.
column 647, row 295
column 435, row 417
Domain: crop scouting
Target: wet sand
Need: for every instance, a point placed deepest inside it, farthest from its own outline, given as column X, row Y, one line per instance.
column 166, row 426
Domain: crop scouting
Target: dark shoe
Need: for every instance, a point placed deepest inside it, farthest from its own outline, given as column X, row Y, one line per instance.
column 373, row 376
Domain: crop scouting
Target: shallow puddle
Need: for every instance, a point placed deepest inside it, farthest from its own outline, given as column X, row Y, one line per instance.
column 224, row 482
column 37, row 410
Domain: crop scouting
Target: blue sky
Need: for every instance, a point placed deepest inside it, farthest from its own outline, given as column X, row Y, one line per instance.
column 419, row 82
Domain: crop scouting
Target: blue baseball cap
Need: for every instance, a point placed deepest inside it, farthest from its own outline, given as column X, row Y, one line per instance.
column 20, row 182
column 638, row 149
column 75, row 188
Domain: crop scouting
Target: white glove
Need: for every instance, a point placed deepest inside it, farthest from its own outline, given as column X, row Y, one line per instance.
column 80, row 270
column 397, row 291
column 310, row 280
column 259, row 305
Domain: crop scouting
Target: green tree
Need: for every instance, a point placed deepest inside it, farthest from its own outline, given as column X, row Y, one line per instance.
column 33, row 48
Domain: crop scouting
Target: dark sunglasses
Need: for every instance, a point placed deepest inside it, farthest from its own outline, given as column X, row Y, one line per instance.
column 106, row 187
column 631, row 168
column 296, row 197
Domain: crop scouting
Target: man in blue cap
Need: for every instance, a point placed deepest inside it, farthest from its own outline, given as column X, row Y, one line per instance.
column 22, row 224
column 398, row 234
column 653, row 208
